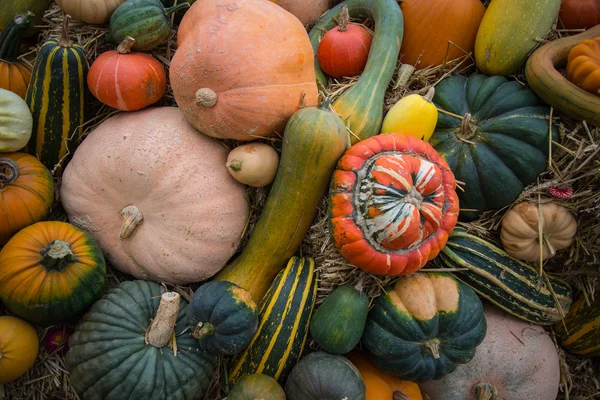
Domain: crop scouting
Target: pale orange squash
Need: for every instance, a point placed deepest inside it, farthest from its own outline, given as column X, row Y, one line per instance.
column 18, row 348
column 307, row 11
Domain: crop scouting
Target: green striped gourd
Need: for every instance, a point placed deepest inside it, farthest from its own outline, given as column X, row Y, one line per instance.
column 580, row 331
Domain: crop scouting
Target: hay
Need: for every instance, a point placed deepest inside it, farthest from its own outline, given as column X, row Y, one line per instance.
column 574, row 161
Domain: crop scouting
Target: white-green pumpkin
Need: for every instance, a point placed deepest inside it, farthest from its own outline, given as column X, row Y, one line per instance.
column 16, row 122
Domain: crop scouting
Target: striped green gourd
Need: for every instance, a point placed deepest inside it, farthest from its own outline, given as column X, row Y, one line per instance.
column 57, row 99
column 579, row 333
column 503, row 280
column 285, row 313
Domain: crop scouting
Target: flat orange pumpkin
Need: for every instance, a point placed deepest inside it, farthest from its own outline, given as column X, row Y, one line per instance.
column 583, row 65
column 392, row 204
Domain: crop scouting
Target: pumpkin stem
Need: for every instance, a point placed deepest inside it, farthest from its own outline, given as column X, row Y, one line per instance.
column 325, row 104
column 132, row 218
column 466, row 128
column 206, row 97
column 434, row 346
column 429, row 95
column 161, row 330
column 485, row 391
column 64, row 40
column 398, row 395
column 175, row 8
column 235, row 165
column 125, row 46
column 344, row 19
column 204, row 329
column 9, row 171
column 57, row 256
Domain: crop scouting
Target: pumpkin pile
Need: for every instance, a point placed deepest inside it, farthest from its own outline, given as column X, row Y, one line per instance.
column 191, row 150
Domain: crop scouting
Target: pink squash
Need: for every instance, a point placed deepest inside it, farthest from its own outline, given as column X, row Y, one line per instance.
column 517, row 361
column 156, row 196
column 307, row 11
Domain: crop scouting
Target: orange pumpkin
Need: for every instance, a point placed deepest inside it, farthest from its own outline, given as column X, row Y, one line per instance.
column 19, row 347
column 382, row 386
column 242, row 69
column 583, row 65
column 127, row 81
column 14, row 74
column 430, row 26
column 26, row 193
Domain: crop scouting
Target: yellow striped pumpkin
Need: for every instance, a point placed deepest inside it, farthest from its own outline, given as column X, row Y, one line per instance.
column 582, row 323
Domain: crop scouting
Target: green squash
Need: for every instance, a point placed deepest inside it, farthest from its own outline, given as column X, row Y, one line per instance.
column 324, row 376
column 338, row 323
column 12, row 8
column 424, row 326
column 256, row 386
column 144, row 20
column 500, row 145
column 179, row 14
column 109, row 356
column 223, row 317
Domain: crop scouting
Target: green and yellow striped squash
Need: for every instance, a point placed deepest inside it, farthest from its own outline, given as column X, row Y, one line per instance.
column 580, row 332
column 361, row 106
column 285, row 313
column 505, row 281
column 57, row 99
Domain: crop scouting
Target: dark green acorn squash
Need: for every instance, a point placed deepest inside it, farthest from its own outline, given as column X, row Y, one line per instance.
column 500, row 145
column 423, row 326
column 144, row 20
column 119, row 349
column 256, row 387
column 324, row 376
column 338, row 323
column 223, row 316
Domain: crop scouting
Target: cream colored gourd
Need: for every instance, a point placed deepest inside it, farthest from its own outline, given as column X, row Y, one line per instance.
column 16, row 122
column 307, row 11
column 413, row 115
column 90, row 11
column 154, row 194
column 253, row 164
column 520, row 230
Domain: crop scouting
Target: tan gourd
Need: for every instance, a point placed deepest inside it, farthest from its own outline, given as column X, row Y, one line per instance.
column 90, row 11
column 253, row 164
column 522, row 225
column 307, row 11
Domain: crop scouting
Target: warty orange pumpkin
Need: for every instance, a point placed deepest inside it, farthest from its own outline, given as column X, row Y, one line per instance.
column 583, row 65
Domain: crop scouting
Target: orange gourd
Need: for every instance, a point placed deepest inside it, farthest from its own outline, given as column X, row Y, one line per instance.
column 19, row 346
column 382, row 386
column 583, row 65
column 127, row 81
column 242, row 69
column 26, row 193
column 430, row 26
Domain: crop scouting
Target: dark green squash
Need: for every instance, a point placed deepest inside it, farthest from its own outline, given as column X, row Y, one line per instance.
column 500, row 145
column 119, row 349
column 147, row 21
column 12, row 8
column 223, row 316
column 57, row 97
column 256, row 387
column 14, row 74
column 361, row 106
column 324, row 376
column 424, row 326
column 179, row 14
column 338, row 323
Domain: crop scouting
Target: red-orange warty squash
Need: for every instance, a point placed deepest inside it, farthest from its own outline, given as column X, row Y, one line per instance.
column 26, row 193
column 156, row 196
column 583, row 65
column 127, row 81
column 242, row 68
column 392, row 204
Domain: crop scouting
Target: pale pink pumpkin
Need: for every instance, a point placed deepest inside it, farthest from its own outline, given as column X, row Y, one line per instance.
column 154, row 165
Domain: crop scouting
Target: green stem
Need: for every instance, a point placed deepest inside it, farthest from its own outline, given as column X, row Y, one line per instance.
column 57, row 256
column 325, row 104
column 175, row 8
column 9, row 171
column 204, row 329
column 235, row 165
column 434, row 346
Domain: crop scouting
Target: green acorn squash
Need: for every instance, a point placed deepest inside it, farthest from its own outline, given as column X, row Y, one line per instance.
column 579, row 333
column 499, row 146
column 424, row 326
column 223, row 317
column 256, row 387
column 119, row 349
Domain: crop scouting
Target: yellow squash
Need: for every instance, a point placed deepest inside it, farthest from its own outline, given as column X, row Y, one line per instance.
column 413, row 115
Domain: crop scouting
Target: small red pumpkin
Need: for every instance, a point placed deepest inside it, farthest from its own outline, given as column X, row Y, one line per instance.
column 344, row 51
column 127, row 81
column 579, row 14
column 392, row 204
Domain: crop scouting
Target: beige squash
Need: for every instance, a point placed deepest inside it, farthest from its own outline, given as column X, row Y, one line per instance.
column 16, row 122
column 520, row 230
column 153, row 192
column 307, row 11
column 254, row 164
column 90, row 11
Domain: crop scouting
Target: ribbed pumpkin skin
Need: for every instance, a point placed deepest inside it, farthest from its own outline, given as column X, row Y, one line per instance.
column 508, row 31
column 505, row 281
column 19, row 346
column 582, row 336
column 14, row 74
column 230, row 310
column 26, row 200
column 419, row 314
column 361, row 106
column 583, row 65
column 109, row 358
column 502, row 149
column 285, row 315
column 15, row 122
column 392, row 204
column 256, row 386
column 44, row 294
column 430, row 26
column 57, row 100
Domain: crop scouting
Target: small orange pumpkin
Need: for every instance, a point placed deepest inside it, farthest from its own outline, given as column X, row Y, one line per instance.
column 127, row 81
column 19, row 347
column 583, row 65
column 26, row 193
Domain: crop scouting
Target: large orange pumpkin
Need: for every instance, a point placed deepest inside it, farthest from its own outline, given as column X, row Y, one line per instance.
column 430, row 26
column 583, row 65
column 242, row 68
column 18, row 348
column 26, row 193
